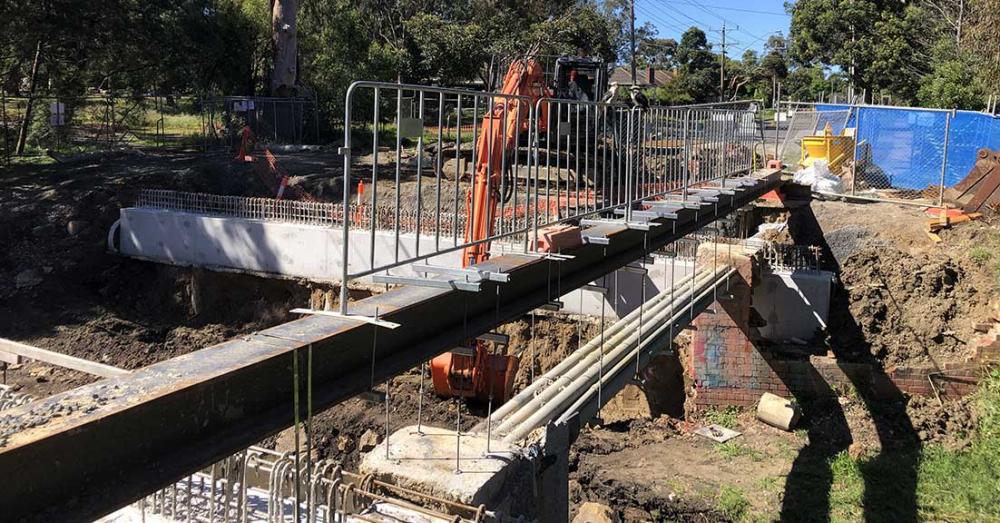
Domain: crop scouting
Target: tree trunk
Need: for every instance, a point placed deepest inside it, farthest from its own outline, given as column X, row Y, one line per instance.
column 284, row 74
column 22, row 136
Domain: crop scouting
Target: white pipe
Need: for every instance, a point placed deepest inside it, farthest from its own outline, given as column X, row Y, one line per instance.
column 529, row 392
column 584, row 359
column 610, row 375
column 563, row 386
column 535, row 417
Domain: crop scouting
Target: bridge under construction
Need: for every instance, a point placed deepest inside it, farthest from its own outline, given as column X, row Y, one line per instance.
column 581, row 192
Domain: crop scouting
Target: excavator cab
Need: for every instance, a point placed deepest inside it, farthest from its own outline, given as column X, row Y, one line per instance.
column 578, row 78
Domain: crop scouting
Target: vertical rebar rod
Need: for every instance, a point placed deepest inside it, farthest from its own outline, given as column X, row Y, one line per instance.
column 458, row 436
column 388, row 386
column 295, row 429
column 600, row 370
column 309, row 412
column 642, row 307
column 531, row 347
column 420, row 399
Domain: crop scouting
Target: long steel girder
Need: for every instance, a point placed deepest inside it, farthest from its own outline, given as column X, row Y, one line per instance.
column 86, row 452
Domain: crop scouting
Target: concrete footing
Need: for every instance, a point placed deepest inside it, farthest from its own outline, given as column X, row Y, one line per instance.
column 436, row 462
column 530, row 482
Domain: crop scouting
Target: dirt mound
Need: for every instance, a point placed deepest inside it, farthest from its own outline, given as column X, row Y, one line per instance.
column 338, row 430
column 909, row 308
column 904, row 300
column 951, row 424
column 555, row 337
column 845, row 241
column 61, row 289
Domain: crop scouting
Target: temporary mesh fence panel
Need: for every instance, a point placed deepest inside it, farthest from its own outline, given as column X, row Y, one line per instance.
column 911, row 153
column 68, row 125
column 803, row 123
column 969, row 132
column 272, row 120
column 809, row 121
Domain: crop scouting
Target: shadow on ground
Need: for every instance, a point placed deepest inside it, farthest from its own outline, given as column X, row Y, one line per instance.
column 890, row 477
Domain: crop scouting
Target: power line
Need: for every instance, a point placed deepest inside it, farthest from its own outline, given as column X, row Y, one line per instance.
column 747, row 48
column 658, row 20
column 680, row 25
column 737, row 9
column 705, row 9
column 682, row 13
column 650, row 11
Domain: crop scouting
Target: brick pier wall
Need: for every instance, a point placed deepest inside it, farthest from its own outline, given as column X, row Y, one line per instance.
column 728, row 369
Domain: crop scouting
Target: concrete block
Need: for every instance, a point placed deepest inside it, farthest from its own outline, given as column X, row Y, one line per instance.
column 426, row 462
column 283, row 249
column 795, row 304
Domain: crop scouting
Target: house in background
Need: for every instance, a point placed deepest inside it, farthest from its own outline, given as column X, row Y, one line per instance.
column 646, row 77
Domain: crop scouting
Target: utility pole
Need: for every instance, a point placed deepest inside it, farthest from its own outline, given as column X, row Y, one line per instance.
column 722, row 66
column 631, row 8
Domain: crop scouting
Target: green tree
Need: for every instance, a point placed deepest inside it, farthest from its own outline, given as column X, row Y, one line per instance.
column 699, row 67
column 953, row 82
column 448, row 52
column 882, row 45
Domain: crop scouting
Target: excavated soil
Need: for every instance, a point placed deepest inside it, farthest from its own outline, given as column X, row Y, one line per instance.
column 903, row 299
column 61, row 289
column 339, row 430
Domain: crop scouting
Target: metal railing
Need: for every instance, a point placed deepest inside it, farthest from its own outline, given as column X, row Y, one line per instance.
column 416, row 148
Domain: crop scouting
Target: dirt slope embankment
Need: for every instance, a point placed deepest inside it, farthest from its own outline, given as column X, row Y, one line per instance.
column 904, row 300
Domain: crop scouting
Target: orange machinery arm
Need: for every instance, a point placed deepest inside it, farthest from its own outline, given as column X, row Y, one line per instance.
column 498, row 134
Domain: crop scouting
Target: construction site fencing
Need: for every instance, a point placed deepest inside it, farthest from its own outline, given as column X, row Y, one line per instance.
column 419, row 149
column 80, row 124
column 66, row 125
column 902, row 154
column 273, row 120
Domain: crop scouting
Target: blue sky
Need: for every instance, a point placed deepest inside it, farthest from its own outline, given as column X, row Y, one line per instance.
column 756, row 19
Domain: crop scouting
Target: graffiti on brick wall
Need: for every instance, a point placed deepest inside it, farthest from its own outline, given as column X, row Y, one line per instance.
column 707, row 353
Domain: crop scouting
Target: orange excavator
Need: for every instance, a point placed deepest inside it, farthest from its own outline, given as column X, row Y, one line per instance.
column 473, row 371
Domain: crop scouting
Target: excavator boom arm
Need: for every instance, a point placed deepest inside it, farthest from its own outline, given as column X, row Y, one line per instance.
column 498, row 135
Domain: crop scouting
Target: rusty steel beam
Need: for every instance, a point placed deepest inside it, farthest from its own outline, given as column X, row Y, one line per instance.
column 86, row 452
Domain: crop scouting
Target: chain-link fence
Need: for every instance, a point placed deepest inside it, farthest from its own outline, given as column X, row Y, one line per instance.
column 901, row 154
column 70, row 125
column 64, row 126
column 285, row 121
